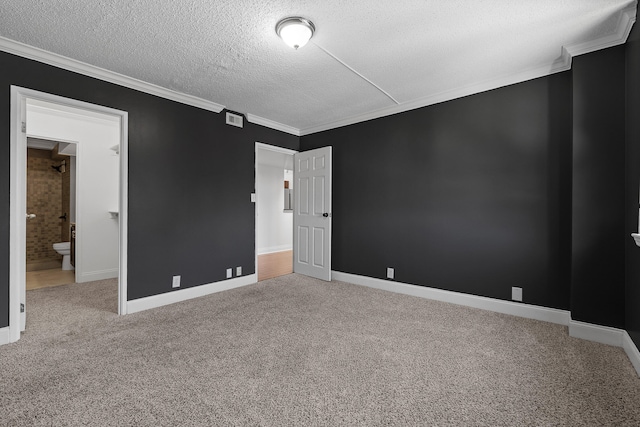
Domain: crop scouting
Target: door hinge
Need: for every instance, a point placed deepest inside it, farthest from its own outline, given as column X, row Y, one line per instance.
column 21, row 308
column 24, row 127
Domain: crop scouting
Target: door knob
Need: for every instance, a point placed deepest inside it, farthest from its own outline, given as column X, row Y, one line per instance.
column 326, row 215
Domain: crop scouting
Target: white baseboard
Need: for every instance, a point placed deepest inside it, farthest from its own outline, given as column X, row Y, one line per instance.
column 272, row 249
column 155, row 301
column 91, row 276
column 587, row 331
column 632, row 351
column 5, row 336
column 552, row 315
column 596, row 333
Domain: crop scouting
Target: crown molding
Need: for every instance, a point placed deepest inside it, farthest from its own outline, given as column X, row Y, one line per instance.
column 252, row 118
column 40, row 55
column 625, row 23
column 563, row 63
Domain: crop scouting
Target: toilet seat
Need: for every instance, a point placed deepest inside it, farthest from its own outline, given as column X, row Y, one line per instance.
column 62, row 246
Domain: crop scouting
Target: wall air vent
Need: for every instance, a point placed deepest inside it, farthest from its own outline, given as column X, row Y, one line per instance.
column 234, row 120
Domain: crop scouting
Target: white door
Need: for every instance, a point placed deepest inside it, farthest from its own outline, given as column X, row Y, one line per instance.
column 312, row 213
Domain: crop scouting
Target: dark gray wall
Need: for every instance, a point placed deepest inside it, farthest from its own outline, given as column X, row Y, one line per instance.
column 472, row 195
column 599, row 237
column 190, row 179
column 632, row 295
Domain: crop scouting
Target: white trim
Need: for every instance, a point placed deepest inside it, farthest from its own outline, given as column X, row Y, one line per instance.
column 5, row 336
column 17, row 221
column 632, row 351
column 46, row 142
column 596, row 333
column 90, row 276
column 275, row 249
column 625, row 23
column 627, row 19
column 252, row 118
column 63, row 111
column 455, row 93
column 586, row 331
column 160, row 300
column 40, row 55
column 274, row 148
column 123, row 215
column 552, row 315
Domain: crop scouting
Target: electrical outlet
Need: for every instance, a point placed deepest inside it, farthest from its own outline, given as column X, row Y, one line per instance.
column 229, row 273
column 176, row 282
column 390, row 273
column 516, row 294
column 238, row 271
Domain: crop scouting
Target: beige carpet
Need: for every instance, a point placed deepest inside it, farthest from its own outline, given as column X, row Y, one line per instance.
column 296, row 351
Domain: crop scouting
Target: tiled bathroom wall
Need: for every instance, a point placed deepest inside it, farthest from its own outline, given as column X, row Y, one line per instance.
column 45, row 200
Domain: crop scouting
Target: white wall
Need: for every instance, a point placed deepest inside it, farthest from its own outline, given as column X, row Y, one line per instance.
column 97, row 181
column 275, row 227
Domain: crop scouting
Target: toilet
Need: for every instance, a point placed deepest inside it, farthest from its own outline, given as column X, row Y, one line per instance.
column 64, row 249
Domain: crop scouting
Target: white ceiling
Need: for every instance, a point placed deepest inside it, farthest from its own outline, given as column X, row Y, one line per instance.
column 367, row 59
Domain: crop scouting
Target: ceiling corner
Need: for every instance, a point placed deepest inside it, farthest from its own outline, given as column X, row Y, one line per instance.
column 625, row 24
column 272, row 124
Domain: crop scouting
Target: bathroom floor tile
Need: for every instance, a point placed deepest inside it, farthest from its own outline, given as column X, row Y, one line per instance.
column 47, row 278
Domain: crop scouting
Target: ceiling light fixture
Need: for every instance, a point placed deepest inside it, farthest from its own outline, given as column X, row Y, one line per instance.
column 295, row 31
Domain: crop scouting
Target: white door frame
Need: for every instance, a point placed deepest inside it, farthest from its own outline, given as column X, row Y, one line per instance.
column 18, row 199
column 262, row 146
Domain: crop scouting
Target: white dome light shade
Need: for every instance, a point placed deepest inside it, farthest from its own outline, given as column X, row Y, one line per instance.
column 295, row 31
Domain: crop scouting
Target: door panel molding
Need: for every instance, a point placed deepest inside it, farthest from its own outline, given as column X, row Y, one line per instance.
column 312, row 218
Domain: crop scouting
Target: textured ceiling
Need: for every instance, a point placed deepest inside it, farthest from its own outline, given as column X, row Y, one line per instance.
column 366, row 58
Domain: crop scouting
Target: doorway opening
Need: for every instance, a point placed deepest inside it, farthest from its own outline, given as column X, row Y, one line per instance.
column 51, row 208
column 97, row 256
column 274, row 211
